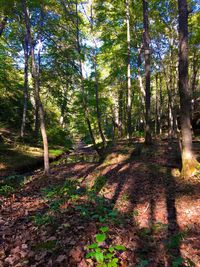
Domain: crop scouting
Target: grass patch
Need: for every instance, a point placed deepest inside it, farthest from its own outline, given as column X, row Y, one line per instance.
column 17, row 157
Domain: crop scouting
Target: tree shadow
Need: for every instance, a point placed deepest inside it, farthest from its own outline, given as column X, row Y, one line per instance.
column 150, row 189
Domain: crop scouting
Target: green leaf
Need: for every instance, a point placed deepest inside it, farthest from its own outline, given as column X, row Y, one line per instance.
column 99, row 256
column 108, row 255
column 111, row 249
column 178, row 262
column 90, row 255
column 104, row 229
column 94, row 245
column 120, row 247
column 100, row 238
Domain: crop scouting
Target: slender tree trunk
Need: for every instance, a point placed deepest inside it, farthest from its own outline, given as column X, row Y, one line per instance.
column 129, row 96
column 146, row 42
column 189, row 161
column 26, row 58
column 120, row 112
column 3, row 25
column 161, row 103
column 35, row 75
column 99, row 152
column 195, row 69
column 97, row 86
column 157, row 130
column 36, row 120
column 97, row 103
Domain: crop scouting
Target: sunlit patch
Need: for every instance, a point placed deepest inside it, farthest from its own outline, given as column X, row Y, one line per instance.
column 2, row 166
column 175, row 172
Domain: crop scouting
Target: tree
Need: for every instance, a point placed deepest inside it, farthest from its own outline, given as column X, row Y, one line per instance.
column 189, row 161
column 146, row 42
column 129, row 94
column 2, row 25
column 35, row 75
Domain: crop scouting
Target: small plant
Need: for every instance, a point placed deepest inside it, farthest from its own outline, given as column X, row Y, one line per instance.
column 104, row 256
column 6, row 190
column 42, row 219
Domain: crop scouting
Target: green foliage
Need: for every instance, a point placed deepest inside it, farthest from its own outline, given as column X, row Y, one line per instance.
column 6, row 190
column 44, row 219
column 10, row 184
column 104, row 255
column 142, row 263
column 99, row 209
column 58, row 136
column 100, row 181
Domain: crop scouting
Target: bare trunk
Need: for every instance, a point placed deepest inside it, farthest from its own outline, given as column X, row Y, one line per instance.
column 26, row 57
column 189, row 161
column 157, row 128
column 129, row 130
column 161, row 103
column 97, row 87
column 35, row 75
column 97, row 104
column 120, row 112
column 3, row 25
column 146, row 42
column 83, row 88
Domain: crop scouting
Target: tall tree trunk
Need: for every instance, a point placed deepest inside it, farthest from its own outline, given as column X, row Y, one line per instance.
column 3, row 25
column 97, row 86
column 87, row 118
column 26, row 58
column 195, row 69
column 120, row 112
column 129, row 96
column 35, row 75
column 189, row 161
column 157, row 129
column 161, row 103
column 97, row 103
column 146, row 42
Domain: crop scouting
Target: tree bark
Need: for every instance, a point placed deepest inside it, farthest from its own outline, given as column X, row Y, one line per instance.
column 146, row 43
column 157, row 128
column 129, row 96
column 97, row 88
column 3, row 25
column 26, row 58
column 35, row 75
column 189, row 161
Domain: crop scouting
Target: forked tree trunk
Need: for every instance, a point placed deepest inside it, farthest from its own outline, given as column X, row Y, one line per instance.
column 189, row 161
column 35, row 76
column 129, row 130
column 146, row 43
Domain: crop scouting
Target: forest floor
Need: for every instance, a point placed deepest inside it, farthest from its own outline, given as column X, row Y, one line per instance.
column 133, row 208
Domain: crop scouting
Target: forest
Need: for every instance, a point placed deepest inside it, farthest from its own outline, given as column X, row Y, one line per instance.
column 99, row 133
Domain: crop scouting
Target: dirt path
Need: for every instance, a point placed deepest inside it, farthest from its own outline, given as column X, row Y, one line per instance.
column 160, row 213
